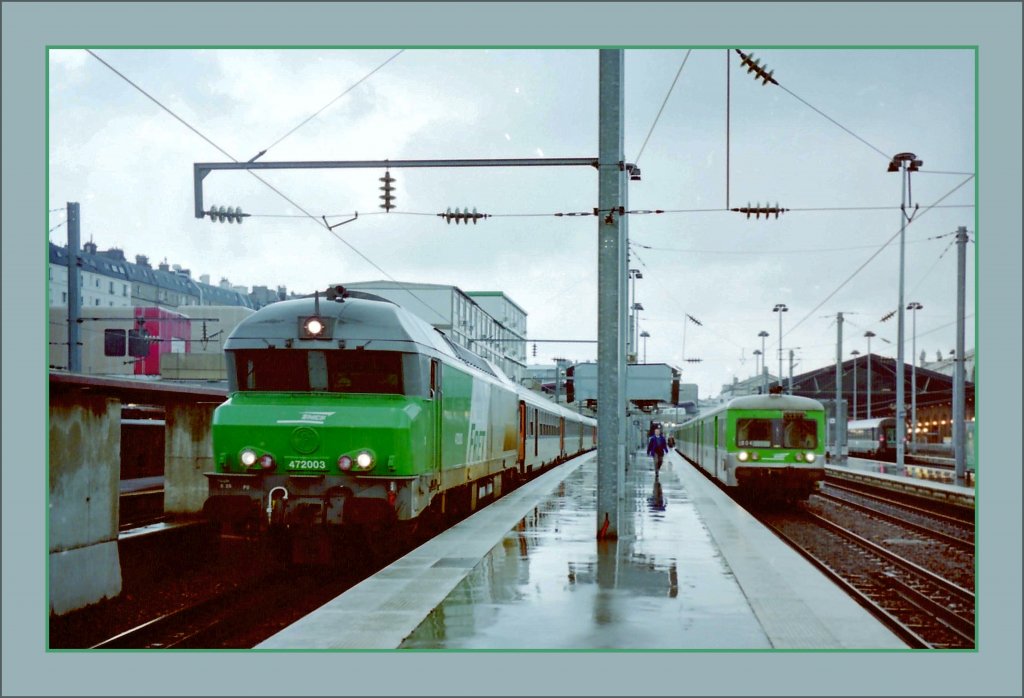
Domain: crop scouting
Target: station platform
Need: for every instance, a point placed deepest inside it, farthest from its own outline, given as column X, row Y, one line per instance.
column 930, row 482
column 690, row 570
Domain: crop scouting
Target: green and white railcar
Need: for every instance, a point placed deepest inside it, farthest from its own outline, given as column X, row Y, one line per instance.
column 347, row 408
column 767, row 445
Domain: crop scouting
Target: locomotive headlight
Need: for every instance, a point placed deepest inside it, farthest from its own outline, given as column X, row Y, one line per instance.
column 267, row 462
column 314, row 326
column 345, row 463
column 364, row 461
column 247, row 457
column 810, row 457
column 742, row 456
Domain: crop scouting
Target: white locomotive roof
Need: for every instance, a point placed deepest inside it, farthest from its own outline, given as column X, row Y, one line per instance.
column 360, row 322
column 774, row 402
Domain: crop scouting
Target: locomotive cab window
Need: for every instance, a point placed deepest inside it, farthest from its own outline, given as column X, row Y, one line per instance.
column 350, row 371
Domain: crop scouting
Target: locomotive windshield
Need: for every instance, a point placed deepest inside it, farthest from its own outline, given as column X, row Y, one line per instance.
column 791, row 432
column 353, row 371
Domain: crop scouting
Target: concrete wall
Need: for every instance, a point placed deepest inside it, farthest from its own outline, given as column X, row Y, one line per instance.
column 85, row 464
column 188, row 453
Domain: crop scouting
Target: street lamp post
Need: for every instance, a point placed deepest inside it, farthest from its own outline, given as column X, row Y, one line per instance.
column 905, row 163
column 757, row 362
column 633, row 338
column 764, row 374
column 780, row 308
column 869, row 334
column 634, row 274
column 913, row 306
column 645, row 334
column 855, row 354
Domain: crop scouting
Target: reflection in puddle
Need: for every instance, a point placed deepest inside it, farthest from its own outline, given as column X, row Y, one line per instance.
column 551, row 584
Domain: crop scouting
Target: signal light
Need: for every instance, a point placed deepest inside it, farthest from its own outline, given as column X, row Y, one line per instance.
column 387, row 196
column 218, row 214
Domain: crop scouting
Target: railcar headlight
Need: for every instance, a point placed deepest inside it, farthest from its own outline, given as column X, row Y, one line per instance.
column 742, row 456
column 810, row 457
column 247, row 457
column 755, row 456
column 364, row 461
column 267, row 462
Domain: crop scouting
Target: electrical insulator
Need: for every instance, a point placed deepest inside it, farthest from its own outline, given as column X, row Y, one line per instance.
column 759, row 209
column 754, row 66
column 219, row 214
column 388, row 197
column 462, row 216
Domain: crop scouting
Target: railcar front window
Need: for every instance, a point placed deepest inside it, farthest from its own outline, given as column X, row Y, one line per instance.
column 754, row 433
column 800, row 433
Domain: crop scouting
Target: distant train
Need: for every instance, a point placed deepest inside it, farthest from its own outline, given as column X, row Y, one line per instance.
column 761, row 446
column 344, row 408
column 875, row 438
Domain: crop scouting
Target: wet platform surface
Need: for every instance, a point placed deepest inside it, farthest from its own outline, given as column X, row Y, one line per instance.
column 550, row 584
column 940, row 477
column 690, row 570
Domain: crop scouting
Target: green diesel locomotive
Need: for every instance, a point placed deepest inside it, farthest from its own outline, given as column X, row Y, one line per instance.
column 345, row 408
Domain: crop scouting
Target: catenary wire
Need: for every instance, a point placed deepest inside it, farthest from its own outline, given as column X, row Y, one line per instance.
column 268, row 184
column 323, row 108
column 671, row 87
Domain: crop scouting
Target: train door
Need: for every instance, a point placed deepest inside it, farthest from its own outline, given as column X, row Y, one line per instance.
column 522, row 433
column 561, row 436
column 716, row 460
column 537, row 430
column 435, row 395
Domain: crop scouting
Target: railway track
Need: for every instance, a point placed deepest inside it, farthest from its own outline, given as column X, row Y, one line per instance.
column 956, row 529
column 222, row 620
column 925, row 609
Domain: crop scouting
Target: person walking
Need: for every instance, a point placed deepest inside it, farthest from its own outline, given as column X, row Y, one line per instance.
column 656, row 448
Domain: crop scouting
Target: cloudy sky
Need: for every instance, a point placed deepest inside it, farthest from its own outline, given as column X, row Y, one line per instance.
column 817, row 144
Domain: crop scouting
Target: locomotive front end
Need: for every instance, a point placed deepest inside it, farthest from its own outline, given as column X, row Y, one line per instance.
column 329, row 419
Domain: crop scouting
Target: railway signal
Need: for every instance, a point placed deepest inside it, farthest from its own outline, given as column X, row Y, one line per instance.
column 462, row 216
column 218, row 214
column 387, row 196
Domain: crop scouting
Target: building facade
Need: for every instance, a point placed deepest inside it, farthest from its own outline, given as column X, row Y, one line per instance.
column 466, row 321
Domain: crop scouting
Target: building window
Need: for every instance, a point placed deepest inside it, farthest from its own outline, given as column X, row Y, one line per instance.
column 124, row 290
column 111, row 287
column 97, row 283
column 97, row 301
column 64, row 297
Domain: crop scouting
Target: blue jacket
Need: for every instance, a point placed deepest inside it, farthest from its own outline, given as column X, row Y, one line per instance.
column 657, row 445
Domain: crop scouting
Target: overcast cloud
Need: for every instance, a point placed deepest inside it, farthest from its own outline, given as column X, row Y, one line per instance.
column 129, row 164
